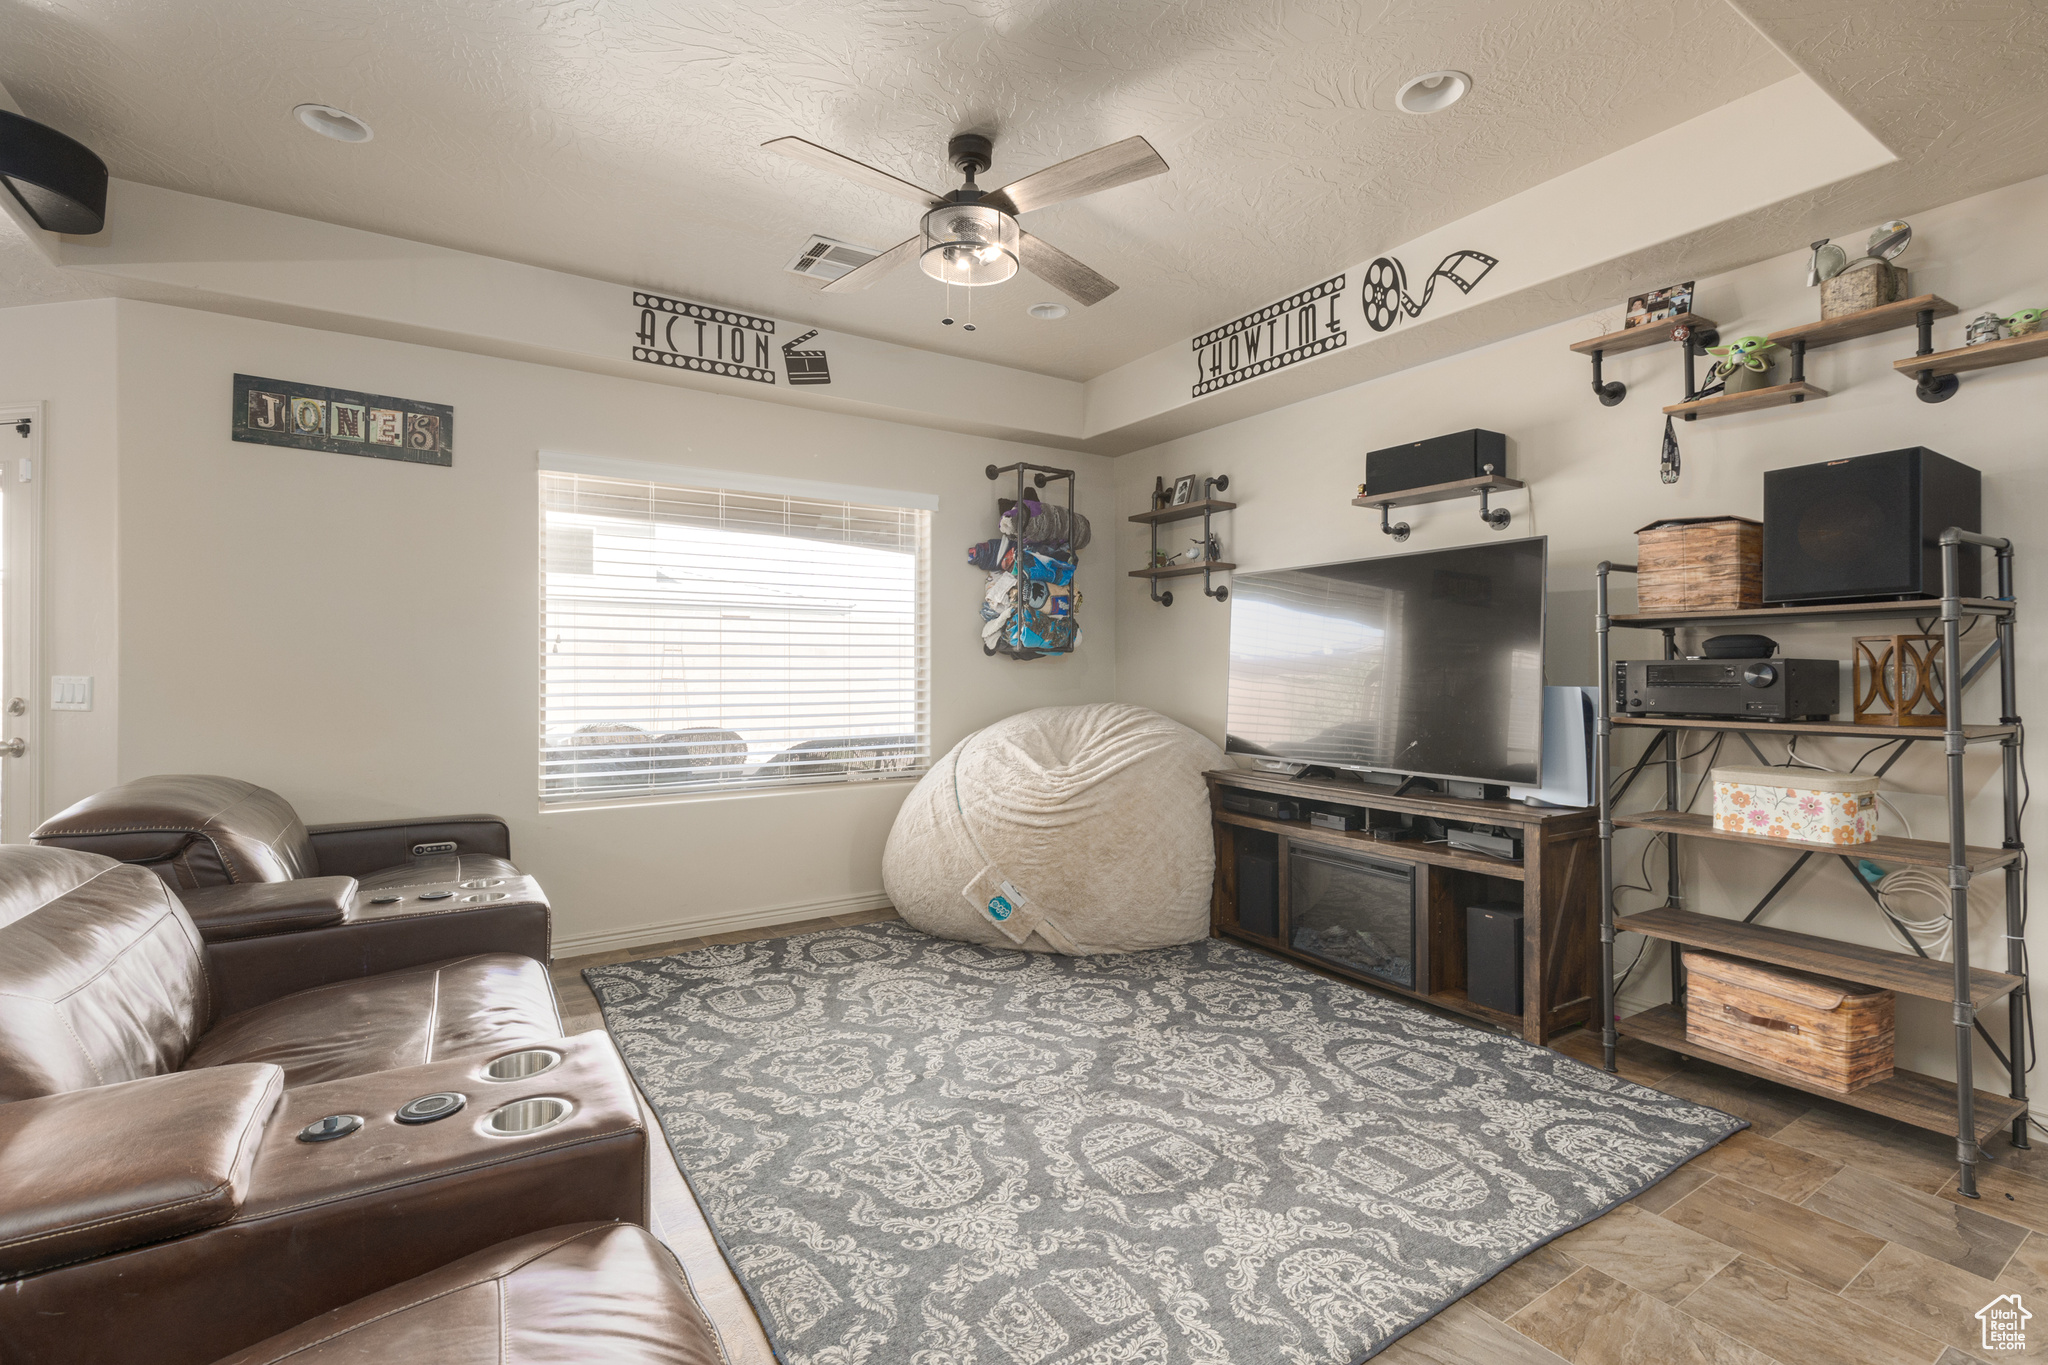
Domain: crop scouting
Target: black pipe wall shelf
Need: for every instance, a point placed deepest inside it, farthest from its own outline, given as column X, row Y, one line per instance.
column 1681, row 328
column 1934, row 372
column 1205, row 507
column 1482, row 488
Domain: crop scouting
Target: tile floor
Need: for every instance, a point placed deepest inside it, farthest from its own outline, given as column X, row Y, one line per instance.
column 1818, row 1236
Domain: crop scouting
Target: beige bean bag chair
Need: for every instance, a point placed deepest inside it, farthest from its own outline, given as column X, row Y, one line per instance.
column 1073, row 829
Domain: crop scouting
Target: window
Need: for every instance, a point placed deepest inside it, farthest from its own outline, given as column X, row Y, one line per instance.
column 704, row 639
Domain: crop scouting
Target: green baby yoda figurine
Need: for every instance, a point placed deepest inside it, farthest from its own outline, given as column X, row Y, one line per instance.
column 1744, row 353
column 2025, row 322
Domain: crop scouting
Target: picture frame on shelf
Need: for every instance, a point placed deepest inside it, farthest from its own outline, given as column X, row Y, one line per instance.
column 1656, row 305
column 1183, row 490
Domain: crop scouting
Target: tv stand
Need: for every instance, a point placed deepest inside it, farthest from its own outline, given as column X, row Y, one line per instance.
column 1556, row 882
column 1415, row 784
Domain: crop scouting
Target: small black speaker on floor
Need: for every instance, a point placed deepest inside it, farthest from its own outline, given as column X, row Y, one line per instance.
column 1868, row 527
column 1493, row 955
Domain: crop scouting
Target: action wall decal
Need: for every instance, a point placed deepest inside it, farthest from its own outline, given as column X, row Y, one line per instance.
column 699, row 337
column 1386, row 296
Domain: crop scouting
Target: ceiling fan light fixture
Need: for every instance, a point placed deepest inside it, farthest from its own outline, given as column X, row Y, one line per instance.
column 969, row 244
column 328, row 121
column 1433, row 92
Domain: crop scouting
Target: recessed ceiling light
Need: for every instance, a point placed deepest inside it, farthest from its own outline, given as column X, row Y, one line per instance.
column 1433, row 93
column 1048, row 312
column 338, row 124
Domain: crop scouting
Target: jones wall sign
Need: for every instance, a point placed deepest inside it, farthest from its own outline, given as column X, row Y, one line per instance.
column 709, row 340
column 1274, row 337
column 278, row 412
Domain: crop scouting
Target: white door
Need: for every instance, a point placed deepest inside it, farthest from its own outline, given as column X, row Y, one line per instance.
column 21, row 486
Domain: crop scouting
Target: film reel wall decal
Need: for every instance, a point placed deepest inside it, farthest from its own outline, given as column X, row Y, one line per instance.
column 1385, row 291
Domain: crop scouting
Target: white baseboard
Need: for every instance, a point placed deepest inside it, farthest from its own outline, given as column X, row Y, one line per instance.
column 696, row 926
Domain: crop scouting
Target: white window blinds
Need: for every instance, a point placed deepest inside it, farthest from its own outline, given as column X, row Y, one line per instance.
column 699, row 639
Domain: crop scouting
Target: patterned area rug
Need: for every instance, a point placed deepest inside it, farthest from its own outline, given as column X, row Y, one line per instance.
column 922, row 1152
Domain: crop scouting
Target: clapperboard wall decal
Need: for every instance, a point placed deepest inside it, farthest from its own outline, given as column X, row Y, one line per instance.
column 805, row 367
column 278, row 412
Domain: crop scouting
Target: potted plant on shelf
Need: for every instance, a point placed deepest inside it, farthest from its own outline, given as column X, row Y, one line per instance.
column 1744, row 364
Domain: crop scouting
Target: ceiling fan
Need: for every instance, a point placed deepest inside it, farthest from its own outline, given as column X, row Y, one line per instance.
column 970, row 236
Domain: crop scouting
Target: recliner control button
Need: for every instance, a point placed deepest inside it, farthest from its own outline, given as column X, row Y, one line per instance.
column 332, row 1127
column 427, row 1108
column 384, row 900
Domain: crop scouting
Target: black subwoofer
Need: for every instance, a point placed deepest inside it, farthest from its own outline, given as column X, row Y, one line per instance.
column 1493, row 955
column 1869, row 527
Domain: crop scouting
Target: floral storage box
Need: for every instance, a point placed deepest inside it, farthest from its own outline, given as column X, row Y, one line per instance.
column 1800, row 804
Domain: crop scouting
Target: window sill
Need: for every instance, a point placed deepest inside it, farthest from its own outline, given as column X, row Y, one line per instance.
column 686, row 798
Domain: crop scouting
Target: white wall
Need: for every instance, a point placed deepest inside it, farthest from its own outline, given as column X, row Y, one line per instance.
column 362, row 634
column 62, row 354
column 1593, row 480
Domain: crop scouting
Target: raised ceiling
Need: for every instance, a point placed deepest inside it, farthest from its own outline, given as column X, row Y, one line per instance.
column 622, row 141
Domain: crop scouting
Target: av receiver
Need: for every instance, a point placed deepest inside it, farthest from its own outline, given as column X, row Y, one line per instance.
column 1759, row 689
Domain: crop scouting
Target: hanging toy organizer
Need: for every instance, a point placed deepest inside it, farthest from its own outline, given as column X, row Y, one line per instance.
column 1028, row 610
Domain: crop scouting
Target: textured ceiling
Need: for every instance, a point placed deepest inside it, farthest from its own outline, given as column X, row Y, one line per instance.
column 621, row 140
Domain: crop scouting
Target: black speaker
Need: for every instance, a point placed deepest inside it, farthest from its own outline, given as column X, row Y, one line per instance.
column 1869, row 527
column 1440, row 459
column 1493, row 955
column 1258, row 881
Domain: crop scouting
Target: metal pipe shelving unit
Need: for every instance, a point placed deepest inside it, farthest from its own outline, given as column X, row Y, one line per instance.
column 1923, row 1101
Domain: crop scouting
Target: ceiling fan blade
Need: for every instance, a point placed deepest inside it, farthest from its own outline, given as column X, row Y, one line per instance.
column 861, row 276
column 824, row 158
column 1061, row 271
column 1102, row 169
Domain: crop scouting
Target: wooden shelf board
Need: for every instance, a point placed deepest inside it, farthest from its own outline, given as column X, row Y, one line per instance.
column 1458, row 1000
column 1920, row 607
column 1455, row 1001
column 1184, row 511
column 1723, row 404
column 1883, row 849
column 1360, row 842
column 1182, row 570
column 1963, row 358
column 1338, row 791
column 1883, row 318
column 1893, row 971
column 1635, row 338
column 1922, row 1101
column 1847, row 728
column 1439, row 492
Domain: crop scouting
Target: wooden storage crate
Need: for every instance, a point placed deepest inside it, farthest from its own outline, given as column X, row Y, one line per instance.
column 1701, row 564
column 1827, row 1034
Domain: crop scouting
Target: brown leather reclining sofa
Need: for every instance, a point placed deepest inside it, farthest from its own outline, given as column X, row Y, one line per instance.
column 285, row 906
column 157, row 1201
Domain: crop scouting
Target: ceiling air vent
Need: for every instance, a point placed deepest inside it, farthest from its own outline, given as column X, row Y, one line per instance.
column 827, row 258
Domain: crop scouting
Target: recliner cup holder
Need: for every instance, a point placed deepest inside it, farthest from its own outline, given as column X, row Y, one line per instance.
column 479, row 883
column 517, row 1066
column 527, row 1116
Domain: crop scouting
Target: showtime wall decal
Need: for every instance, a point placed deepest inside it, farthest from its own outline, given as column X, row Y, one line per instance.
column 1386, row 294
column 1276, row 336
column 278, row 412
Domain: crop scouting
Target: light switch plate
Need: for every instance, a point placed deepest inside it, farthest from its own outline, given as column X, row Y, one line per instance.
column 70, row 693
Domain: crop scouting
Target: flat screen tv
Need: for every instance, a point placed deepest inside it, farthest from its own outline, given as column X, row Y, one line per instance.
column 1425, row 664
